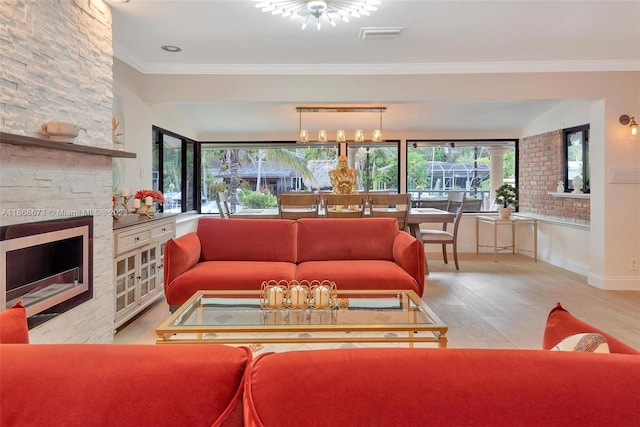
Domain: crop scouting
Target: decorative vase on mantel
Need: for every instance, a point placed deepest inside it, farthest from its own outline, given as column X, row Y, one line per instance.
column 505, row 212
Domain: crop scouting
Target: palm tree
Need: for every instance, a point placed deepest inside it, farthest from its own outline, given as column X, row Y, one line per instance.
column 285, row 157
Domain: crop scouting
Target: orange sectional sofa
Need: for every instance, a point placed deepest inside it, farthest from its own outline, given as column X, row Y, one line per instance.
column 215, row 385
column 235, row 254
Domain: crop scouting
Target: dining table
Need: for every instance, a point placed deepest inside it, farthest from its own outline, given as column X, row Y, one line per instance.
column 415, row 217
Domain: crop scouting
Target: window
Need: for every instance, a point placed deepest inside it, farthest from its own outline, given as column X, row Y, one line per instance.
column 436, row 167
column 376, row 165
column 173, row 163
column 254, row 173
column 576, row 156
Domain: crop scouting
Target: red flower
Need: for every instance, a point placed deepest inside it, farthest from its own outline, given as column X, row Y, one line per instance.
column 155, row 195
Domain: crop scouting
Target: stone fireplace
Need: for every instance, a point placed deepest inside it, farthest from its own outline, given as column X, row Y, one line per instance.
column 57, row 65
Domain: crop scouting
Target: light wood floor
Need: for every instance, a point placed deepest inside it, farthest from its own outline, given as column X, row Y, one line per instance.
column 487, row 304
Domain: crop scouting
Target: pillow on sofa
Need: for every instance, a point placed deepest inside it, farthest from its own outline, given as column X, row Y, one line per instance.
column 589, row 342
column 562, row 324
column 13, row 325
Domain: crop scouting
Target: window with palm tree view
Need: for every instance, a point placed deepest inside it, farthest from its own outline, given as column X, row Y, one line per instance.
column 437, row 168
column 254, row 173
column 376, row 165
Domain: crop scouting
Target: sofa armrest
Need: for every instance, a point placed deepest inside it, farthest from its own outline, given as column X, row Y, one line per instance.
column 180, row 255
column 408, row 253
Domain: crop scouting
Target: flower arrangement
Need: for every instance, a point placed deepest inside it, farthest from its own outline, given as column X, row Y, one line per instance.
column 155, row 195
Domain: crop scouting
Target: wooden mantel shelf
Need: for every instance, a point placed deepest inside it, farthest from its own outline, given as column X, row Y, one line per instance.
column 28, row 141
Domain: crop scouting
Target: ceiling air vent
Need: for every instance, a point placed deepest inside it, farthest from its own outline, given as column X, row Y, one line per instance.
column 379, row 32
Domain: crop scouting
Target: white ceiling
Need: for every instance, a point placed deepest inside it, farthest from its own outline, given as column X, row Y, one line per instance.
column 234, row 37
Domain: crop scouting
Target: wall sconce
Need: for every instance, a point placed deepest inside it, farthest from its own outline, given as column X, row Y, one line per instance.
column 340, row 136
column 322, row 136
column 359, row 137
column 631, row 121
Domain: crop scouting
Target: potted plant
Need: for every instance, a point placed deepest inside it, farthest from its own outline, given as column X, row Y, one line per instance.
column 507, row 197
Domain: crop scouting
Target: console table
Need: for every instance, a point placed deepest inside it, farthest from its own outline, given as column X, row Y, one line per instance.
column 139, row 262
column 512, row 221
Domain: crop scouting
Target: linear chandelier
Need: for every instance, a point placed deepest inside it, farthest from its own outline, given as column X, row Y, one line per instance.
column 319, row 11
column 376, row 135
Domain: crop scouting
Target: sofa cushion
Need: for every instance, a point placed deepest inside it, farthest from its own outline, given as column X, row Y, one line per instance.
column 232, row 275
column 13, row 325
column 441, row 387
column 588, row 342
column 561, row 324
column 121, row 385
column 358, row 274
column 247, row 239
column 321, row 239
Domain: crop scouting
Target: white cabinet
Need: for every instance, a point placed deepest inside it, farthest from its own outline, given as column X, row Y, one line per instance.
column 139, row 263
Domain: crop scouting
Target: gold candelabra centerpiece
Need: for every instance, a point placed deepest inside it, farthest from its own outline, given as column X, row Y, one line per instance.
column 298, row 295
column 124, row 197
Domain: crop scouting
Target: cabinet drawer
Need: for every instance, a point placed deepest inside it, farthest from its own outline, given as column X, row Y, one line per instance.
column 164, row 229
column 131, row 239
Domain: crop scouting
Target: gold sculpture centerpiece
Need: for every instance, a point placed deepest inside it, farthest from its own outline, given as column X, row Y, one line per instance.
column 343, row 178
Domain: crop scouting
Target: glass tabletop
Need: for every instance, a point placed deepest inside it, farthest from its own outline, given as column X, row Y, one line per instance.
column 355, row 309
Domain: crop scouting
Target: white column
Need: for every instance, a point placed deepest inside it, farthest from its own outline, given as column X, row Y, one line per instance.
column 497, row 171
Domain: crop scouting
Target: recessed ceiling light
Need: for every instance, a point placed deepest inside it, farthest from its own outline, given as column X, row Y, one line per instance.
column 172, row 49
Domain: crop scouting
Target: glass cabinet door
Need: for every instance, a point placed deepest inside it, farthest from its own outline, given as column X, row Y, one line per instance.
column 125, row 283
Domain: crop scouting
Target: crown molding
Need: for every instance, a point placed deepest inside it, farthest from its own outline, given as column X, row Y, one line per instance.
column 144, row 67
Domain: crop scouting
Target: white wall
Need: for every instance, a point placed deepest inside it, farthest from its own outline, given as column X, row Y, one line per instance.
column 135, row 173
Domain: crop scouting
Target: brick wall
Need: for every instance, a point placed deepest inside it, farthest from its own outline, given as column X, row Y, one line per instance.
column 56, row 61
column 540, row 169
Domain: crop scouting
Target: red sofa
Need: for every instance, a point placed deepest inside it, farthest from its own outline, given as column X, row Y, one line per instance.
column 449, row 387
column 214, row 385
column 368, row 253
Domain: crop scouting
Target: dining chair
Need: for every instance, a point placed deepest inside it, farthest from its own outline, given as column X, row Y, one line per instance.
column 223, row 205
column 294, row 206
column 344, row 205
column 443, row 237
column 390, row 206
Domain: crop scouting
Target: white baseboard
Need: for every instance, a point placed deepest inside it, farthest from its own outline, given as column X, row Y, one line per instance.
column 621, row 283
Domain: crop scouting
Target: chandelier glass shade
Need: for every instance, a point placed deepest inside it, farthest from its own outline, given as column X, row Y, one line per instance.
column 341, row 135
column 318, row 11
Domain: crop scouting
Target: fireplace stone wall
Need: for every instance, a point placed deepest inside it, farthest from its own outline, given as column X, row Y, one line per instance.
column 57, row 65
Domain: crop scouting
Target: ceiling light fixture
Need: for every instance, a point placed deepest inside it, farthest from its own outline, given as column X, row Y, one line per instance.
column 340, row 134
column 319, row 10
column 172, row 49
column 631, row 121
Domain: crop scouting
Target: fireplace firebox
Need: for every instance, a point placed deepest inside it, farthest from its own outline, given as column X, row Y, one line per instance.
column 47, row 265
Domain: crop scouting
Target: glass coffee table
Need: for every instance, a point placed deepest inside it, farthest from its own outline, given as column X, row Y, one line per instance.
column 374, row 318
